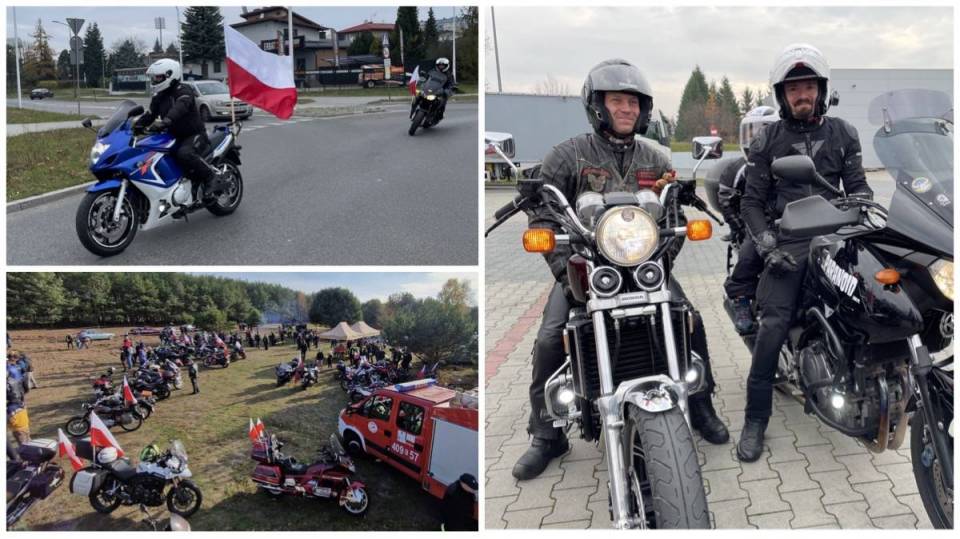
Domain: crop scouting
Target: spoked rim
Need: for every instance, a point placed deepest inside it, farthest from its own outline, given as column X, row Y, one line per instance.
column 100, row 225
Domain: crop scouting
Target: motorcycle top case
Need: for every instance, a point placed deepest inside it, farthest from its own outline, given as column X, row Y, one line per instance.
column 259, row 453
column 84, row 449
column 38, row 450
column 86, row 481
column 46, row 482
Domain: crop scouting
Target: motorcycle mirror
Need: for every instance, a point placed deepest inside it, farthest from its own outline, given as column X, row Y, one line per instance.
column 834, row 98
column 798, row 169
column 87, row 123
column 707, row 147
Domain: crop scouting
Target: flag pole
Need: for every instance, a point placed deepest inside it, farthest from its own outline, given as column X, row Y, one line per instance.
column 293, row 63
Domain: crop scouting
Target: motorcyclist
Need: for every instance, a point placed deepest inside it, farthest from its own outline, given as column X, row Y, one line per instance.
column 741, row 285
column 799, row 79
column 175, row 106
column 440, row 71
column 618, row 102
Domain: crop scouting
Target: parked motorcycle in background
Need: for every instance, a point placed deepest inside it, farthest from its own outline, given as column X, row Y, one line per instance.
column 31, row 476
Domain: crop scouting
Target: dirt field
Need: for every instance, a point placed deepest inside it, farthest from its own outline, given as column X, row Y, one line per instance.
column 213, row 427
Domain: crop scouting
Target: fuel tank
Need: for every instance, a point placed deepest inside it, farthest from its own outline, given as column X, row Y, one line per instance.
column 841, row 274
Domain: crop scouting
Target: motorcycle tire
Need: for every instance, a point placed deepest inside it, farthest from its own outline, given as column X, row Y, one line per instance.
column 931, row 483
column 662, row 444
column 280, row 383
column 357, row 509
column 415, row 122
column 186, row 493
column 144, row 411
column 133, row 425
column 229, row 201
column 101, row 501
column 162, row 392
column 77, row 426
column 91, row 203
column 353, row 445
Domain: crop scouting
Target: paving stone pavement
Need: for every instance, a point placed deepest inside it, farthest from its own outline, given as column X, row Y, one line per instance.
column 810, row 476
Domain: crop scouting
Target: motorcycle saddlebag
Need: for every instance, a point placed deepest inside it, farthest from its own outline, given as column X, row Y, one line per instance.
column 46, row 482
column 267, row 474
column 83, row 448
column 38, row 450
column 86, row 481
column 260, row 453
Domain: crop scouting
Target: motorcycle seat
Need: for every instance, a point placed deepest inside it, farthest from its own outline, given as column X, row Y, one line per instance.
column 291, row 466
column 122, row 469
column 215, row 139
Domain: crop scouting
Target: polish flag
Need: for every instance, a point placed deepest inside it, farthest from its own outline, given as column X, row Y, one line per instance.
column 128, row 397
column 260, row 78
column 66, row 449
column 252, row 431
column 414, row 78
column 259, row 428
column 100, row 435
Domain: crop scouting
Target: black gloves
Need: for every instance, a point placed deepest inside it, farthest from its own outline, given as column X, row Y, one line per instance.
column 777, row 261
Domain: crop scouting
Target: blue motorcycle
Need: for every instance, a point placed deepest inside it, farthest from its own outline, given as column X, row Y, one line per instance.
column 140, row 186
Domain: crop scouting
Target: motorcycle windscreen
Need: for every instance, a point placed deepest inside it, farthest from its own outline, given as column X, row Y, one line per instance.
column 118, row 117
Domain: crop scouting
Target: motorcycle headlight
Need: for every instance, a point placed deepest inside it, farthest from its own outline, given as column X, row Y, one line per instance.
column 431, row 97
column 627, row 235
column 942, row 273
column 97, row 151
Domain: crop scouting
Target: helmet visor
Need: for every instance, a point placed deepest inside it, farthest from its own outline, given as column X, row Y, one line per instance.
column 158, row 78
column 618, row 78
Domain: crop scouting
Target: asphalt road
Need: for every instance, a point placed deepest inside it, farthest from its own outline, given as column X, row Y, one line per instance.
column 319, row 191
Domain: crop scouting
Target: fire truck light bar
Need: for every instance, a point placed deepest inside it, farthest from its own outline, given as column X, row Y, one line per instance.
column 416, row 384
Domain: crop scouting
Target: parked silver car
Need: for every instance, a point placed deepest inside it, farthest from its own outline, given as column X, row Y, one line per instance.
column 213, row 99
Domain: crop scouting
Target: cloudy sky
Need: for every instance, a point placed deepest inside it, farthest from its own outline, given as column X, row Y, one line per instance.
column 739, row 42
column 120, row 22
column 365, row 285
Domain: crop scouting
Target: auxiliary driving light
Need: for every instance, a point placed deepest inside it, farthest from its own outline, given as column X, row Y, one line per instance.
column 565, row 396
column 837, row 401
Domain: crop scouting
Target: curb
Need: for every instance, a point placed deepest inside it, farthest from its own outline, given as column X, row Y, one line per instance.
column 46, row 198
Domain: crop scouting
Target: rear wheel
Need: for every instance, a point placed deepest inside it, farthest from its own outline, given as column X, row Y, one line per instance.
column 162, row 391
column 77, row 426
column 663, row 470
column 935, row 491
column 97, row 230
column 415, row 122
column 205, row 113
column 133, row 424
column 229, row 200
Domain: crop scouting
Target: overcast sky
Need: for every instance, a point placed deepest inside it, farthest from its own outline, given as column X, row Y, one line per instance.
column 120, row 22
column 364, row 285
column 739, row 42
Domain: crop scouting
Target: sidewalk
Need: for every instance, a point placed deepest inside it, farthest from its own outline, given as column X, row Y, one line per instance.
column 810, row 476
column 20, row 129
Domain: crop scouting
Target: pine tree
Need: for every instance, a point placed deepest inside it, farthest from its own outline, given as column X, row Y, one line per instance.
column 361, row 44
column 172, row 51
column 157, row 49
column 94, row 69
column 431, row 34
column 408, row 20
column 468, row 46
column 38, row 59
column 64, row 67
column 746, row 101
column 690, row 116
column 202, row 36
column 126, row 53
column 728, row 113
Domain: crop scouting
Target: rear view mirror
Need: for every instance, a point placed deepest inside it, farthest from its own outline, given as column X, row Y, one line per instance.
column 707, row 147
column 834, row 98
column 86, row 123
column 797, row 169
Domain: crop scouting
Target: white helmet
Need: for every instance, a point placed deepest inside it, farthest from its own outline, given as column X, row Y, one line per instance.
column 162, row 73
column 107, row 455
column 795, row 62
column 443, row 64
column 752, row 123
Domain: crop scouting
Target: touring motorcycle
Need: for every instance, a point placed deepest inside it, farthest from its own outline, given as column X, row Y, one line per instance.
column 629, row 367
column 140, row 186
column 31, row 476
column 428, row 103
column 870, row 351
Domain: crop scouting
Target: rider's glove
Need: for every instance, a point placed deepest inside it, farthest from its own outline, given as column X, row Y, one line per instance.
column 777, row 261
column 669, row 176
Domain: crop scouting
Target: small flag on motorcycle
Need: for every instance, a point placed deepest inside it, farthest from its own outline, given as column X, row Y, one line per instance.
column 414, row 79
column 67, row 449
column 128, row 397
column 259, row 428
column 100, row 435
column 252, row 432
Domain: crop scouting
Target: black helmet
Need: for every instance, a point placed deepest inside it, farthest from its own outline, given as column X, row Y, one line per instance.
column 615, row 75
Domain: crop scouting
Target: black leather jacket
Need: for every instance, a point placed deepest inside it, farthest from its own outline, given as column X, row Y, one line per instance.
column 589, row 162
column 833, row 145
column 178, row 109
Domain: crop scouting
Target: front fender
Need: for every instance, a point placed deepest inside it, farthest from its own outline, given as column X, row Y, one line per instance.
column 106, row 185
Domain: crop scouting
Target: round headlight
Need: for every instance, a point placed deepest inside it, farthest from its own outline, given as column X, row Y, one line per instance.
column 942, row 273
column 627, row 235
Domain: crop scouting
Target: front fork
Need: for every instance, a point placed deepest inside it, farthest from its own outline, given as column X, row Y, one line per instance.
column 921, row 365
column 119, row 206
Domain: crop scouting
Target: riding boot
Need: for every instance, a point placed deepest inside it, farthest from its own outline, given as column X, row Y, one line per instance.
column 743, row 316
column 535, row 460
column 704, row 419
column 751, row 440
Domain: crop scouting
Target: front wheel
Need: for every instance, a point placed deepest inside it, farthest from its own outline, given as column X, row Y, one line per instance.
column 97, row 230
column 78, row 426
column 415, row 122
column 663, row 471
column 355, row 501
column 229, row 200
column 935, row 491
column 133, row 424
column 162, row 391
column 184, row 499
column 106, row 498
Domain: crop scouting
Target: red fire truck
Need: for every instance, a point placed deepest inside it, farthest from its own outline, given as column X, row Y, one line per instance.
column 426, row 431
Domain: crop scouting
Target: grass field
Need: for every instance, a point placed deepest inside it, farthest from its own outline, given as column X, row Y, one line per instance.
column 30, row 116
column 213, row 427
column 46, row 161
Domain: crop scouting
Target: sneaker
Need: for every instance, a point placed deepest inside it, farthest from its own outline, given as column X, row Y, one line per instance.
column 743, row 316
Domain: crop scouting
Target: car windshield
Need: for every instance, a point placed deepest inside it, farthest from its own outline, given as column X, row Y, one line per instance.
column 212, row 88
column 118, row 117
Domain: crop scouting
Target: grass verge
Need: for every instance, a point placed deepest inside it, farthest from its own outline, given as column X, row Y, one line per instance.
column 46, row 161
column 31, row 116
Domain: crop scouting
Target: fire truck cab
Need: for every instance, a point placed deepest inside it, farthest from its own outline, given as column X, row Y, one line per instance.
column 426, row 431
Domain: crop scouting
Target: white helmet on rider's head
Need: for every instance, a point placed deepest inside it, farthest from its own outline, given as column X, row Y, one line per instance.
column 752, row 123
column 443, row 64
column 163, row 73
column 796, row 62
column 107, row 455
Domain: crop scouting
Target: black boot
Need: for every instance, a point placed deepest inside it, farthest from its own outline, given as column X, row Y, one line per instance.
column 535, row 460
column 704, row 418
column 743, row 316
column 751, row 440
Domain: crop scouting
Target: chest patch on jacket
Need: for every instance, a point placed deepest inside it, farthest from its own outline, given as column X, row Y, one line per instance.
column 646, row 178
column 596, row 177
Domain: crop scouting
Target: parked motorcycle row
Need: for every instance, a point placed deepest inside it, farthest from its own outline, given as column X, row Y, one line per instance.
column 360, row 381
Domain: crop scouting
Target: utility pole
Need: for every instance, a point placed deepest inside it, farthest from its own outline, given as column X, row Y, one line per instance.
column 402, row 61
column 160, row 23
column 293, row 60
column 496, row 50
column 454, row 44
column 180, row 43
column 16, row 39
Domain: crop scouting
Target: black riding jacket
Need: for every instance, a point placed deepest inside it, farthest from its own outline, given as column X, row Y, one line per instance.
column 177, row 106
column 833, row 145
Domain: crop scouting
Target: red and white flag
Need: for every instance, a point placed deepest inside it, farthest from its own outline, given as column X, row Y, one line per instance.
column 100, row 435
column 252, row 431
column 128, row 397
column 67, row 449
column 414, row 79
column 260, row 78
column 259, row 428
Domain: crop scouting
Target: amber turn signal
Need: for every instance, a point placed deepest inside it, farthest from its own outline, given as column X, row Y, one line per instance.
column 539, row 240
column 699, row 230
column 887, row 276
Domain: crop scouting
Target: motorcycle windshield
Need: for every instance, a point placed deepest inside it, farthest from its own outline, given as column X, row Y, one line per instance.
column 118, row 117
column 178, row 450
column 434, row 84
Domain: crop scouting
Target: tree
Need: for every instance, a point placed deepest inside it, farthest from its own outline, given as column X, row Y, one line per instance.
column 746, row 101
column 38, row 63
column 408, row 20
column 127, row 52
column 64, row 67
column 468, row 45
column 455, row 292
column 728, row 111
column 334, row 305
column 172, row 51
column 34, row 298
column 157, row 49
column 94, row 57
column 361, row 44
column 691, row 121
column 202, row 36
column 373, row 313
column 431, row 328
column 212, row 319
column 431, row 34
column 253, row 318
